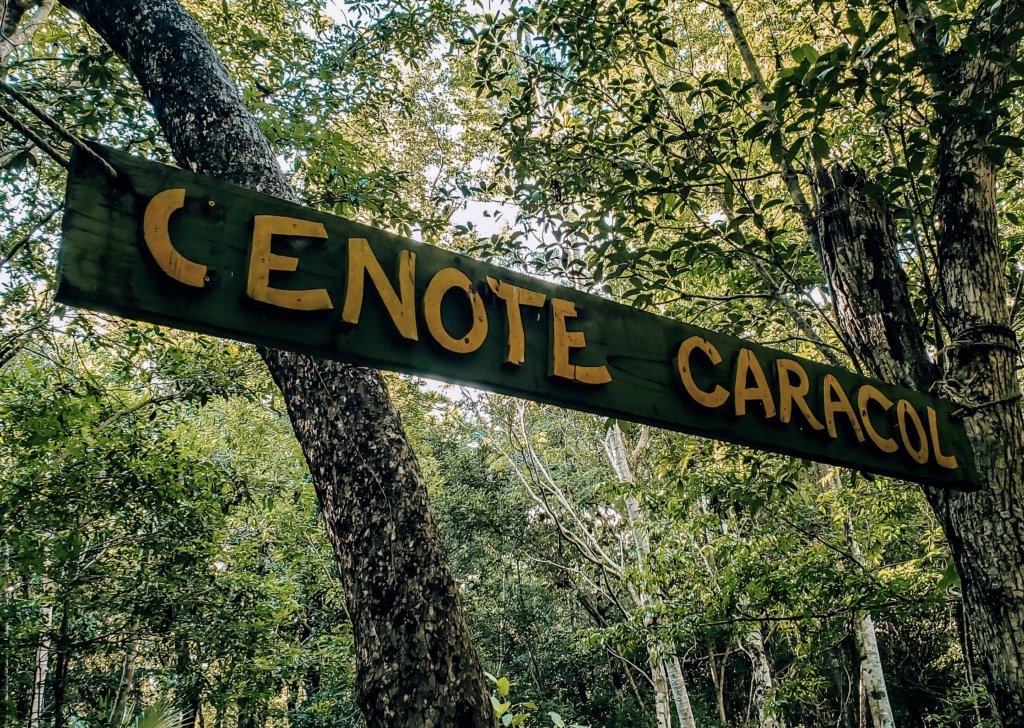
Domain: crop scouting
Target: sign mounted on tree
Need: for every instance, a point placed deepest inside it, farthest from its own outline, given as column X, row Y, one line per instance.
column 171, row 247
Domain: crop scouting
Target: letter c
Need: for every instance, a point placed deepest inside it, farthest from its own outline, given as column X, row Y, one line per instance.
column 717, row 396
column 158, row 240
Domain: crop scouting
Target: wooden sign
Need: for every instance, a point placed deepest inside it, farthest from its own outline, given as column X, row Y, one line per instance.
column 164, row 245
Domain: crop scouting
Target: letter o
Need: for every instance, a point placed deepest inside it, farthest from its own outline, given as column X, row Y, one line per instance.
column 443, row 281
column 905, row 411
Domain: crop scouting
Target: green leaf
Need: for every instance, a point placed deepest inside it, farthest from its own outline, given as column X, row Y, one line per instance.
column 950, row 577
column 819, row 146
column 556, row 719
column 856, row 24
column 503, row 685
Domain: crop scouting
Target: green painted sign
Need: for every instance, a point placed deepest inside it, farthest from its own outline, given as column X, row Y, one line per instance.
column 164, row 245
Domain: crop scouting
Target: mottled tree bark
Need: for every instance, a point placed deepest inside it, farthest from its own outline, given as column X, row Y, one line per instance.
column 872, row 677
column 16, row 30
column 869, row 287
column 415, row 663
column 984, row 528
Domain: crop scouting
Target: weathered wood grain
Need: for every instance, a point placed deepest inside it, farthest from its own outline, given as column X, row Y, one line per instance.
column 106, row 265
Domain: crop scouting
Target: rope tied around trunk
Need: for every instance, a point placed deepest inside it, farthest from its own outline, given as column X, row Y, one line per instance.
column 989, row 336
column 966, row 407
column 62, row 131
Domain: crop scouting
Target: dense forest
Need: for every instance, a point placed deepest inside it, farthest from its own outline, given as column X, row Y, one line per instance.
column 192, row 530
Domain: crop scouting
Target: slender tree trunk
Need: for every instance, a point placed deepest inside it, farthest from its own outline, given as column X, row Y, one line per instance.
column 662, row 704
column 761, row 676
column 60, row 672
column 42, row 663
column 187, row 690
column 871, row 675
column 718, row 679
column 415, row 663
column 124, row 686
column 680, row 695
column 843, row 682
column 669, row 666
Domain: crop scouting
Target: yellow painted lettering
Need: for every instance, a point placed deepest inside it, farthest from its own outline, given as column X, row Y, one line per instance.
column 514, row 298
column 717, row 396
column 867, row 394
column 400, row 306
column 742, row 393
column 946, row 461
column 790, row 393
column 262, row 261
column 836, row 402
column 452, row 279
column 905, row 412
column 155, row 222
column 564, row 340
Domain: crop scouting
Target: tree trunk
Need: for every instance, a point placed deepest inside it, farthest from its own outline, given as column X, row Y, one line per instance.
column 680, row 695
column 845, row 687
column 856, row 245
column 871, row 675
column 984, row 527
column 415, row 662
column 60, row 672
column 13, row 31
column 616, row 447
column 761, row 676
column 38, row 705
column 659, row 681
column 718, row 679
column 187, row 688
column 124, row 686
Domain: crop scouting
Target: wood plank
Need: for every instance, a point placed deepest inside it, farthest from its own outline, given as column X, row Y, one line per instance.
column 573, row 349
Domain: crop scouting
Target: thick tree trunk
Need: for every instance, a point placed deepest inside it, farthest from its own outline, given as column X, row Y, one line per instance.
column 869, row 287
column 856, row 245
column 415, row 663
column 984, row 528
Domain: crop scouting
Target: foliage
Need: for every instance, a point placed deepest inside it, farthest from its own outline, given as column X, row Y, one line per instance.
column 156, row 512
